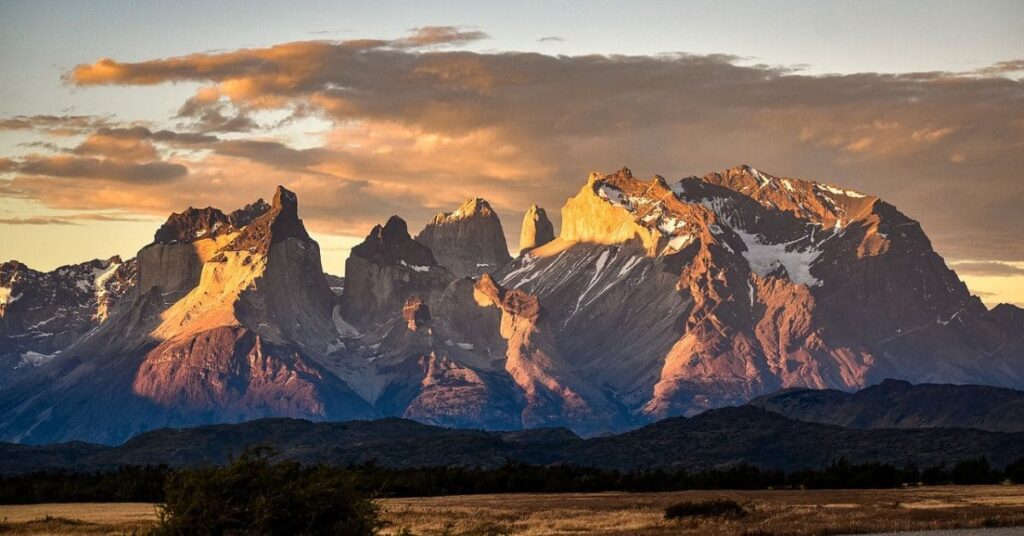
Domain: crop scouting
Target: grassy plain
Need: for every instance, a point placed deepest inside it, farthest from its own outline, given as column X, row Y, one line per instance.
column 780, row 512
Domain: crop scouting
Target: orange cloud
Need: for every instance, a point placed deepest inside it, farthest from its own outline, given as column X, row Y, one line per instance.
column 118, row 148
column 74, row 167
column 417, row 128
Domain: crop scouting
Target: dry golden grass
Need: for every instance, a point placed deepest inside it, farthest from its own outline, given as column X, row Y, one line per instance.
column 77, row 518
column 774, row 513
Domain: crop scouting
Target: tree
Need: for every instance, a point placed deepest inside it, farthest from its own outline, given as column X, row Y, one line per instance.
column 254, row 495
column 1015, row 471
column 976, row 471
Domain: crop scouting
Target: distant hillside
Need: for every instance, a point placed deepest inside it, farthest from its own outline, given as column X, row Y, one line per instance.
column 715, row 438
column 899, row 404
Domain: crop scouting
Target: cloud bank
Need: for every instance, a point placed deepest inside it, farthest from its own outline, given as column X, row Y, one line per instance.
column 417, row 125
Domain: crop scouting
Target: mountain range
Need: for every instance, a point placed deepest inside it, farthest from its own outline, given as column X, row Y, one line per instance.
column 656, row 299
column 714, row 439
column 899, row 404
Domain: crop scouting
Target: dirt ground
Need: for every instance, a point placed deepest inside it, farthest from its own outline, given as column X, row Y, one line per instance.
column 770, row 513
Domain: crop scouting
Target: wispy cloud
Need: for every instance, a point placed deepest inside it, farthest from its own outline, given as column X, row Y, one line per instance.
column 432, row 36
column 70, row 219
column 105, row 169
column 36, row 220
column 55, row 124
column 988, row 268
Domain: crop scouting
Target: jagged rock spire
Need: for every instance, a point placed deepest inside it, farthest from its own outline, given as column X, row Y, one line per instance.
column 391, row 243
column 537, row 229
column 469, row 240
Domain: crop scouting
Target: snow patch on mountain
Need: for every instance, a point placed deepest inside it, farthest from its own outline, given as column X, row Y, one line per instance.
column 421, row 269
column 838, row 191
column 100, row 278
column 765, row 258
column 677, row 243
column 35, row 359
column 598, row 267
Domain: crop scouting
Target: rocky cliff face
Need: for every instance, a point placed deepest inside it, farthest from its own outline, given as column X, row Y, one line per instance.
column 468, row 241
column 658, row 298
column 537, row 229
column 41, row 314
column 384, row 271
column 760, row 282
column 228, row 323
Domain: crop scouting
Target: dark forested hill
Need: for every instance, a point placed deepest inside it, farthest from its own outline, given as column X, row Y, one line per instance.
column 716, row 438
column 899, row 404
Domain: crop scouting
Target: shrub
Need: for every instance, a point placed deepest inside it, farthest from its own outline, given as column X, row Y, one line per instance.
column 977, row 471
column 711, row 508
column 1015, row 471
column 253, row 495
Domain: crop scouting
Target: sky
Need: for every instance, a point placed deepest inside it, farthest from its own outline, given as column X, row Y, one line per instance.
column 114, row 114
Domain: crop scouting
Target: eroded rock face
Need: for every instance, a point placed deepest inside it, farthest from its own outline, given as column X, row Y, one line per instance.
column 468, row 241
column 761, row 282
column 416, row 314
column 384, row 271
column 232, row 374
column 191, row 224
column 227, row 323
column 537, row 229
column 554, row 393
column 173, row 262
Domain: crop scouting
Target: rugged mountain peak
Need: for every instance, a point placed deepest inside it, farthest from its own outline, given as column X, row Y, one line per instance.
column 619, row 208
column 394, row 231
column 175, row 261
column 231, row 324
column 191, row 225
column 815, row 202
column 245, row 215
column 279, row 223
column 472, row 207
column 42, row 313
column 286, row 223
column 285, row 199
column 199, row 223
column 537, row 229
column 292, row 301
column 765, row 280
column 391, row 244
column 622, row 174
column 384, row 271
column 469, row 240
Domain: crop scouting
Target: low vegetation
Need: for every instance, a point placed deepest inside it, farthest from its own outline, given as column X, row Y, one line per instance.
column 769, row 513
column 253, row 495
column 710, row 508
column 258, row 494
column 149, row 484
